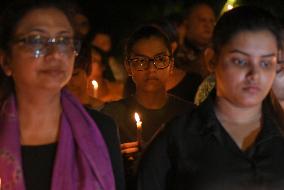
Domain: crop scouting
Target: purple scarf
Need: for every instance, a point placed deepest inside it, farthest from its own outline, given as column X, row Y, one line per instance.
column 82, row 161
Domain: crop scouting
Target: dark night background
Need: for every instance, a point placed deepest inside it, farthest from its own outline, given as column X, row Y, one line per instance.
column 120, row 17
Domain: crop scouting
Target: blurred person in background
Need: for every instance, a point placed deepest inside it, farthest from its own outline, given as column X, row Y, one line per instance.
column 103, row 40
column 81, row 21
column 199, row 22
column 181, row 83
column 108, row 88
column 79, row 80
column 177, row 20
column 82, row 24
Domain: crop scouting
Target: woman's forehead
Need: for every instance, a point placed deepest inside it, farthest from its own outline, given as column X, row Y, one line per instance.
column 49, row 20
column 249, row 42
column 152, row 45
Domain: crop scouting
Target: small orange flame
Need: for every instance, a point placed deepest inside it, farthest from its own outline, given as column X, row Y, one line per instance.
column 95, row 84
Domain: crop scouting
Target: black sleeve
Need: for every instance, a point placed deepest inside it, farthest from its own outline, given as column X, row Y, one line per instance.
column 158, row 164
column 155, row 164
column 110, row 134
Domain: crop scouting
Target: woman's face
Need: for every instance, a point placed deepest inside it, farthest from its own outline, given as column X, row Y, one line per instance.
column 151, row 79
column 50, row 71
column 102, row 41
column 246, row 68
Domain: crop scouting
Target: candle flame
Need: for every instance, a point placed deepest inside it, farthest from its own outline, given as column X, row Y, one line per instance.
column 229, row 6
column 136, row 116
column 95, row 84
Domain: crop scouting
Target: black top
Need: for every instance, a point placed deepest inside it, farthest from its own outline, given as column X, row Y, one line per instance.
column 110, row 133
column 195, row 152
column 187, row 87
column 37, row 162
column 122, row 112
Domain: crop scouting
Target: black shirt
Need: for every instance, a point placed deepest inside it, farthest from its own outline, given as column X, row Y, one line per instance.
column 122, row 112
column 187, row 87
column 110, row 134
column 37, row 166
column 195, row 152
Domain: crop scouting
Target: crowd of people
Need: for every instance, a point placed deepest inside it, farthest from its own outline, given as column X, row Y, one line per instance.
column 208, row 93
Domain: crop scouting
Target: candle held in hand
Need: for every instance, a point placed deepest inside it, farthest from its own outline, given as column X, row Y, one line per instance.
column 139, row 129
column 95, row 88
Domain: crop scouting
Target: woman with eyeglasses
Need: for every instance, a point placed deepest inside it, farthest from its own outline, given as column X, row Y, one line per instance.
column 149, row 62
column 234, row 139
column 47, row 139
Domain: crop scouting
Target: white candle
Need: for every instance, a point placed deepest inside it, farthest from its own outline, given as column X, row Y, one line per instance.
column 95, row 88
column 139, row 128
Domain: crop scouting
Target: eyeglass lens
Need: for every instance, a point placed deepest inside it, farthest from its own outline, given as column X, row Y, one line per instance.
column 40, row 46
column 143, row 63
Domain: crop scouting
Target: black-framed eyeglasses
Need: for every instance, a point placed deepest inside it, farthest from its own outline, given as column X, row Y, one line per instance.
column 143, row 63
column 40, row 45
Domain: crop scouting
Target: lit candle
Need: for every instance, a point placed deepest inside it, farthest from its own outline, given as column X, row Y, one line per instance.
column 230, row 7
column 0, row 183
column 139, row 129
column 95, row 88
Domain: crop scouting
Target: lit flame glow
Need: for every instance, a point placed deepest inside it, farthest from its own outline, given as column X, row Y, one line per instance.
column 95, row 84
column 229, row 6
column 137, row 118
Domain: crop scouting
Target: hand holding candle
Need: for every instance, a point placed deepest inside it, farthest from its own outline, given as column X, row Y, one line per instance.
column 95, row 88
column 139, row 129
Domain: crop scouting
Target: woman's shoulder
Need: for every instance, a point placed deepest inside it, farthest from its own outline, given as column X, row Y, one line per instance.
column 95, row 103
column 178, row 126
column 115, row 106
column 105, row 124
column 178, row 137
column 109, row 132
column 173, row 99
column 193, row 122
column 100, row 118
